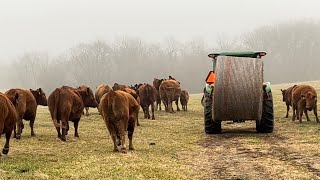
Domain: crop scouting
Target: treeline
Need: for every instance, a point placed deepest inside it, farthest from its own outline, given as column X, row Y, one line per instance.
column 292, row 56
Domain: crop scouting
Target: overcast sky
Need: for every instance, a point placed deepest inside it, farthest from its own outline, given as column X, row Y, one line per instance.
column 56, row 25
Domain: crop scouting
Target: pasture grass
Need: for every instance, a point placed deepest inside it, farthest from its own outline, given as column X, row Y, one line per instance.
column 173, row 146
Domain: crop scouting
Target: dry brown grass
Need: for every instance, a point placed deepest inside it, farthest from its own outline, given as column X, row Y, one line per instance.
column 181, row 150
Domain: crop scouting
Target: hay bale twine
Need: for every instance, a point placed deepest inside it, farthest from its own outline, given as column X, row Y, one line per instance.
column 238, row 92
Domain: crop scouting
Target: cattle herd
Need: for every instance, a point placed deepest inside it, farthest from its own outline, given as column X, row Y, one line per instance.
column 119, row 107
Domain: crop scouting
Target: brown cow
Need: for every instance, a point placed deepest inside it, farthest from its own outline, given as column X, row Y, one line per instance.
column 120, row 112
column 133, row 93
column 8, row 117
column 177, row 98
column 156, row 84
column 169, row 91
column 100, row 91
column 85, row 108
column 117, row 86
column 27, row 107
column 286, row 97
column 184, row 98
column 67, row 104
column 148, row 96
column 304, row 97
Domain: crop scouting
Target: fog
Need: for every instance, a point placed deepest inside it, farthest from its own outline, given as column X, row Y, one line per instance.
column 52, row 43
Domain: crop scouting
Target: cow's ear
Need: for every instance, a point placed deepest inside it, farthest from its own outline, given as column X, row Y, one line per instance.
column 87, row 91
column 16, row 97
column 39, row 91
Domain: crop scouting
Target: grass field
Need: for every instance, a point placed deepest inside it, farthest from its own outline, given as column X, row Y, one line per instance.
column 181, row 150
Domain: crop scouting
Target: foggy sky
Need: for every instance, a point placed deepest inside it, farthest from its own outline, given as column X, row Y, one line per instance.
column 55, row 26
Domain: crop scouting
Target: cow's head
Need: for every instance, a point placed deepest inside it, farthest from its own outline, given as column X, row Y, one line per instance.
column 283, row 91
column 172, row 78
column 310, row 99
column 131, row 91
column 87, row 96
column 115, row 87
column 40, row 96
column 157, row 83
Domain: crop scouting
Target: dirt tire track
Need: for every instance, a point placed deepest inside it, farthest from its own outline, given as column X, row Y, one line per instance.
column 296, row 158
column 233, row 153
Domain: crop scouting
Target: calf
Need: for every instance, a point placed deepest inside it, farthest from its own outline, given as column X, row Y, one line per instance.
column 170, row 91
column 8, row 118
column 148, row 96
column 27, row 107
column 304, row 97
column 287, row 97
column 184, row 98
column 67, row 104
column 120, row 112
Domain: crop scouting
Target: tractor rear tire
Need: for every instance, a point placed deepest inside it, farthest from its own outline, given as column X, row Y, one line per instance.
column 266, row 124
column 211, row 126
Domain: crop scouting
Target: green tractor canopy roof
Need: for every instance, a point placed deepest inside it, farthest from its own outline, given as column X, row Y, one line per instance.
column 249, row 54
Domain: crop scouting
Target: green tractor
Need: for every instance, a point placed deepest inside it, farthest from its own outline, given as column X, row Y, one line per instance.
column 235, row 92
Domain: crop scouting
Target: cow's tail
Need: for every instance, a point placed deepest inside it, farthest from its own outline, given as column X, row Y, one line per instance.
column 111, row 106
column 148, row 90
column 56, row 106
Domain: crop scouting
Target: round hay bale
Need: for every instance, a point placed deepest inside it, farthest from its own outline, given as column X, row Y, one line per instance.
column 238, row 89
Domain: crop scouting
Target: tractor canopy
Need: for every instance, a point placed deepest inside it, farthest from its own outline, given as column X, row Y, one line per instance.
column 249, row 54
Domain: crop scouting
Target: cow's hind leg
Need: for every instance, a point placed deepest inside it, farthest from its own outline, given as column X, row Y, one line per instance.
column 148, row 112
column 315, row 112
column 6, row 146
column 64, row 129
column 58, row 129
column 76, row 123
column 87, row 111
column 31, row 124
column 159, row 103
column 138, row 123
column 152, row 111
column 114, row 139
column 177, row 103
column 294, row 109
column 130, row 135
column 14, row 131
column 122, row 142
column 288, row 108
column 20, row 127
column 145, row 115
